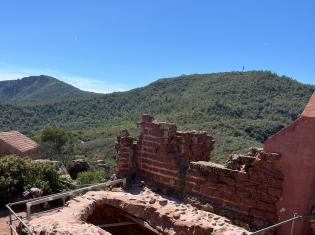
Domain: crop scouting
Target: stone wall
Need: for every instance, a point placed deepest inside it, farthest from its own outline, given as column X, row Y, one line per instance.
column 245, row 190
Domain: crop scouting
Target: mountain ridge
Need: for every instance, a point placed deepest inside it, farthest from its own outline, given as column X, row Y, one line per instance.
column 40, row 88
column 240, row 109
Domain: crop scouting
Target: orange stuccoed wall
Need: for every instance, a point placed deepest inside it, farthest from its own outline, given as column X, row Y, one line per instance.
column 296, row 144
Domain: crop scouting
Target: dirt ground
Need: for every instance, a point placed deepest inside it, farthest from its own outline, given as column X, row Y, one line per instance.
column 4, row 228
column 4, row 217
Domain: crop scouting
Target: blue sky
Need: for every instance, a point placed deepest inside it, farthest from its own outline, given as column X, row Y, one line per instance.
column 105, row 46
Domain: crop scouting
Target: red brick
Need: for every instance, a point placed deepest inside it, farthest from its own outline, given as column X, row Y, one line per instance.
column 271, row 216
column 227, row 180
column 257, row 213
column 275, row 192
column 150, row 144
column 250, row 202
column 148, row 149
column 275, row 183
column 268, row 198
column 152, row 139
column 266, row 206
column 156, row 132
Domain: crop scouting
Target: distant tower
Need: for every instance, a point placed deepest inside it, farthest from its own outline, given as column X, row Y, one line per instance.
column 243, row 68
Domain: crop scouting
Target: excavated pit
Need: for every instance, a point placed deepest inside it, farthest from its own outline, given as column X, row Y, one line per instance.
column 117, row 221
column 149, row 213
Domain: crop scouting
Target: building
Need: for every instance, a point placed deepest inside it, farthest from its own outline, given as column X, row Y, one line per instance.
column 13, row 142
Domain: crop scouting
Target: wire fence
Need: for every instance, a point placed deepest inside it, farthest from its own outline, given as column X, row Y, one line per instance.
column 22, row 226
column 291, row 220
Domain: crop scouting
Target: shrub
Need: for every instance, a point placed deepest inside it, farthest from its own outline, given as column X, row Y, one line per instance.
column 91, row 177
column 18, row 174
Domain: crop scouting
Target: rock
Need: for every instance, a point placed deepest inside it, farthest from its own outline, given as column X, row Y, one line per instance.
column 152, row 200
column 141, row 183
column 176, row 216
column 77, row 166
column 33, row 193
column 163, row 202
column 100, row 161
column 208, row 207
column 113, row 177
column 114, row 189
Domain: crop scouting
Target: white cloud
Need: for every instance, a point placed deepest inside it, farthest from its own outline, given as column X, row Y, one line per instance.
column 95, row 85
column 10, row 75
column 9, row 72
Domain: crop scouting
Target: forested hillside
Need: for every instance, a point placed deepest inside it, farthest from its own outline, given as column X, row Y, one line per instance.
column 37, row 89
column 239, row 109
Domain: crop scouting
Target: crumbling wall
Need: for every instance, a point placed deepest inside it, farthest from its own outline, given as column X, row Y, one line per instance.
column 247, row 195
column 245, row 190
column 163, row 153
column 125, row 147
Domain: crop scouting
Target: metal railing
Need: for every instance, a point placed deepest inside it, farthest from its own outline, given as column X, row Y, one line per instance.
column 36, row 201
column 291, row 220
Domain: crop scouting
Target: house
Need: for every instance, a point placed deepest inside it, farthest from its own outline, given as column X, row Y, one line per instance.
column 13, row 142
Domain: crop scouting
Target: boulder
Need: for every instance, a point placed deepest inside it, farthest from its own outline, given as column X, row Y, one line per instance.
column 78, row 166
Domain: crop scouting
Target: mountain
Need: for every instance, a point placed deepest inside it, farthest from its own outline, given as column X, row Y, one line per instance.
column 240, row 109
column 37, row 88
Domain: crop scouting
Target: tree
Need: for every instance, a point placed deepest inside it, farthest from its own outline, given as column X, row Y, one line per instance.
column 57, row 144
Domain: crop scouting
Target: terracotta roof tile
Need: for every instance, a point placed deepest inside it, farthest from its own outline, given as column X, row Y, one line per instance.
column 18, row 141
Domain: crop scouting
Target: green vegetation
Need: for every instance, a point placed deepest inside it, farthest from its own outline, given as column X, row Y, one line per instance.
column 37, row 89
column 91, row 177
column 240, row 109
column 19, row 174
column 57, row 144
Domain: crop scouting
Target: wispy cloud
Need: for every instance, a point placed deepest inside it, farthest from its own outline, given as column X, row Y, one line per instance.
column 9, row 72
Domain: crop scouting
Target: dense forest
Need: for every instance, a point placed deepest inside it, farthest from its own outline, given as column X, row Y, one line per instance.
column 240, row 109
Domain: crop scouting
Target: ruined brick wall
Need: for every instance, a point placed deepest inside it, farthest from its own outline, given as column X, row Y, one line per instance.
column 164, row 153
column 125, row 148
column 245, row 190
column 245, row 194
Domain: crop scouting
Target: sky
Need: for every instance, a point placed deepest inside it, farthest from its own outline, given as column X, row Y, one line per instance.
column 115, row 45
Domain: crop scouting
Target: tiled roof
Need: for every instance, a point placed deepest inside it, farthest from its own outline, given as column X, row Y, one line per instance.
column 18, row 141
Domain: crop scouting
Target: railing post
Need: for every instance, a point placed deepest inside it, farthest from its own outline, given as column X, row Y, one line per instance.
column 10, row 215
column 293, row 224
column 63, row 201
column 28, row 211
